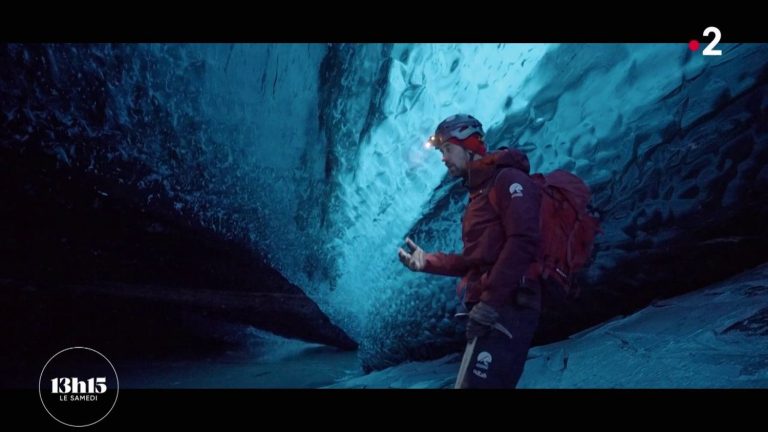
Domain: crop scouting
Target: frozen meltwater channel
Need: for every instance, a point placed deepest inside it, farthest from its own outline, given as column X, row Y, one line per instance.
column 268, row 361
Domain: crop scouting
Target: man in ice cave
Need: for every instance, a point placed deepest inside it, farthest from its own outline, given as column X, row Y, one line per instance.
column 500, row 233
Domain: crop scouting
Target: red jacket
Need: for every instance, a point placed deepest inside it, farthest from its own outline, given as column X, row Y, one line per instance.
column 500, row 230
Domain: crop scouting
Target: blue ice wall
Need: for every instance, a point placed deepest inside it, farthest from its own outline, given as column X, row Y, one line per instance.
column 674, row 146
column 219, row 134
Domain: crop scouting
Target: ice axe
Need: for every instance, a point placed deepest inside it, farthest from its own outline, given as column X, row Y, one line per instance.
column 468, row 351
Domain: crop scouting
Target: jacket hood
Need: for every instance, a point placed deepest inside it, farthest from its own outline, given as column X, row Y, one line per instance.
column 479, row 171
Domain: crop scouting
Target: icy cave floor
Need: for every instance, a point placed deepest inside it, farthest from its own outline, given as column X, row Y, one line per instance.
column 273, row 362
column 712, row 338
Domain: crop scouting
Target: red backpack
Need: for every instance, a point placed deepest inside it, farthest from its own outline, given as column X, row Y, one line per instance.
column 566, row 227
column 567, row 231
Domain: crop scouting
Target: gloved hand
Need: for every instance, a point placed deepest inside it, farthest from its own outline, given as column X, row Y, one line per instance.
column 416, row 260
column 482, row 317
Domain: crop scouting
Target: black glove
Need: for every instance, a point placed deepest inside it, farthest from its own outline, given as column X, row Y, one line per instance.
column 481, row 320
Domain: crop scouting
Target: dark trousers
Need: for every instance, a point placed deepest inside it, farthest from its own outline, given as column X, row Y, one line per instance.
column 498, row 360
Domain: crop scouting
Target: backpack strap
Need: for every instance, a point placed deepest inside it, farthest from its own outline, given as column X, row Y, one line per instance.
column 486, row 190
column 536, row 270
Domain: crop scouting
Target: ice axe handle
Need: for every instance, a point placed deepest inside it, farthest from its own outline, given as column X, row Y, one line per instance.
column 468, row 351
